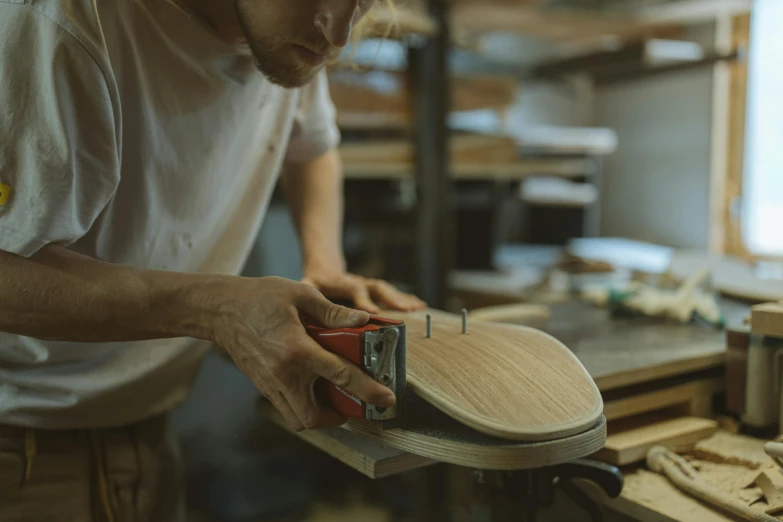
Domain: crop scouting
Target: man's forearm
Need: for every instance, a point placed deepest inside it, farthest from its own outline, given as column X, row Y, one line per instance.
column 61, row 295
column 314, row 192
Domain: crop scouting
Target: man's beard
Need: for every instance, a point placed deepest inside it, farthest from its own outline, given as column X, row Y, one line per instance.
column 275, row 57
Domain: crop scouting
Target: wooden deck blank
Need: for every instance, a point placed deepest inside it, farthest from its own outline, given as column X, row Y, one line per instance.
column 506, row 381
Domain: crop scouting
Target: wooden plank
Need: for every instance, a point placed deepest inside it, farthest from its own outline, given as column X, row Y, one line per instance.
column 628, row 441
column 658, row 399
column 368, row 456
column 381, row 99
column 767, row 320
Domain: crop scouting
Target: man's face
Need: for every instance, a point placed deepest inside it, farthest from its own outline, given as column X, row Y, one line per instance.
column 293, row 39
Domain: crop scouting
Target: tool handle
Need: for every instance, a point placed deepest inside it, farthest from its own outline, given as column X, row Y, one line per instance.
column 345, row 343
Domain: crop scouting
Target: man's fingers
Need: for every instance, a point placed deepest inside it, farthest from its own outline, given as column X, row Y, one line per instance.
column 281, row 404
column 392, row 298
column 361, row 298
column 350, row 377
column 328, row 314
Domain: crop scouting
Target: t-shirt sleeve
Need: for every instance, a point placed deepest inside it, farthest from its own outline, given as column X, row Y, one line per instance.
column 59, row 155
column 315, row 125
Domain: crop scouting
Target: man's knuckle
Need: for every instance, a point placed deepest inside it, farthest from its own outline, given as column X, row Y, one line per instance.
column 294, row 356
column 341, row 376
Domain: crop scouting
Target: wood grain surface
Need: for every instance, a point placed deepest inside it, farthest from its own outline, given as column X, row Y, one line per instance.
column 506, row 381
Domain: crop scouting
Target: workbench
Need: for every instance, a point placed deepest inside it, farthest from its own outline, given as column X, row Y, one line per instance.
column 638, row 364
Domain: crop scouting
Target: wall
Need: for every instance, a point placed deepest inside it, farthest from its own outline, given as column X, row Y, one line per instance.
column 656, row 186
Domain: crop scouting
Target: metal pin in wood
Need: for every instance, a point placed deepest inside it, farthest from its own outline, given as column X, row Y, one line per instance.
column 429, row 326
column 464, row 321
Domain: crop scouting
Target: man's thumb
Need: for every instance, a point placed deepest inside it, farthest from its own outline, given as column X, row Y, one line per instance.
column 331, row 315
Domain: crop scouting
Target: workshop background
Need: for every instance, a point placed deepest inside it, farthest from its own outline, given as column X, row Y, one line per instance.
column 557, row 153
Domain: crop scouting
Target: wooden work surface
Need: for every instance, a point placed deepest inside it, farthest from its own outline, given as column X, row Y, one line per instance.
column 626, row 352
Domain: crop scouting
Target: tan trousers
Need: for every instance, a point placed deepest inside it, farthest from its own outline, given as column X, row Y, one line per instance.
column 129, row 474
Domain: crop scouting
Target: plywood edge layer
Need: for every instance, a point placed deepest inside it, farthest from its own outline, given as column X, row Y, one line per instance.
column 493, row 455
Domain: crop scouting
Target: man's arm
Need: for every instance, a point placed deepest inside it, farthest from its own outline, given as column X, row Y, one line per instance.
column 61, row 295
column 314, row 191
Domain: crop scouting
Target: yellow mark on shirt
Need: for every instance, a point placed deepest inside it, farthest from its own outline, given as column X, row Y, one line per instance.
column 5, row 193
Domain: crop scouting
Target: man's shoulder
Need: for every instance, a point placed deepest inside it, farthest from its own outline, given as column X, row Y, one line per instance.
column 78, row 22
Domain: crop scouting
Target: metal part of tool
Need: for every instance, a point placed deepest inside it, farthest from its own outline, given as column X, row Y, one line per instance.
column 429, row 326
column 378, row 348
column 464, row 321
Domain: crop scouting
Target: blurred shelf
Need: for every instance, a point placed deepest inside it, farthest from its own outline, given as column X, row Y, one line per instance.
column 521, row 169
column 381, row 99
column 572, row 24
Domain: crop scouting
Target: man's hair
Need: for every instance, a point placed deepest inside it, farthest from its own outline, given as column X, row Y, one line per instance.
column 380, row 21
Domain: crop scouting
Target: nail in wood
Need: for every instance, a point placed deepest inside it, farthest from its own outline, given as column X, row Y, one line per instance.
column 429, row 326
column 464, row 321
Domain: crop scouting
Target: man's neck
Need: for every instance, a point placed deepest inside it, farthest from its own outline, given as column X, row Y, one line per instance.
column 220, row 15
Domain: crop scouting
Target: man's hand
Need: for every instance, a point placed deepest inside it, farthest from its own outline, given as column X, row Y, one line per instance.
column 370, row 295
column 261, row 329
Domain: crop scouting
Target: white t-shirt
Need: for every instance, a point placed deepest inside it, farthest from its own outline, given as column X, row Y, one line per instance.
column 131, row 133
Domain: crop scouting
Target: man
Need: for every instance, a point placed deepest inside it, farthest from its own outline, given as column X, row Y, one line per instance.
column 139, row 146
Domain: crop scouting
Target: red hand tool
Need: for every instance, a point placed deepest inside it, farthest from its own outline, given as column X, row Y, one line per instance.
column 378, row 348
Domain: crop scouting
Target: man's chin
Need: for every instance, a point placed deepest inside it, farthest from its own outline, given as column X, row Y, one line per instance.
column 289, row 78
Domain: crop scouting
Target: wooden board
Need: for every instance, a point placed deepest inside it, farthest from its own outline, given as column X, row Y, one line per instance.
column 368, row 456
column 503, row 380
column 433, row 434
column 767, row 320
column 628, row 441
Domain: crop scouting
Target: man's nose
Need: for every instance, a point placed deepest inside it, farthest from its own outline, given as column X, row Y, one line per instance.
column 335, row 20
